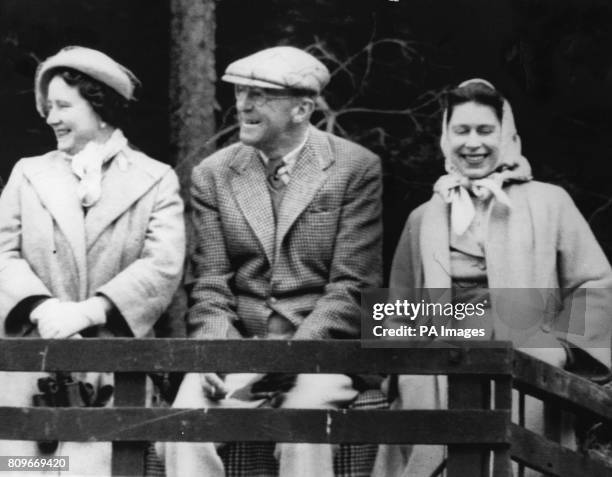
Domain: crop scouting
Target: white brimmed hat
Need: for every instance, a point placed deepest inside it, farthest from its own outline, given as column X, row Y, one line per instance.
column 93, row 63
column 281, row 67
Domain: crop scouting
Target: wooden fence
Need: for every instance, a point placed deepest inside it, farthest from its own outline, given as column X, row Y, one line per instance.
column 486, row 443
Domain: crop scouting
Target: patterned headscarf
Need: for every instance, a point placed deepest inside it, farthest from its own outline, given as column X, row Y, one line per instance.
column 455, row 188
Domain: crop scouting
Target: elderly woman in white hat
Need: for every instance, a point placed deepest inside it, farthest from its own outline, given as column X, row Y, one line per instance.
column 91, row 233
column 490, row 235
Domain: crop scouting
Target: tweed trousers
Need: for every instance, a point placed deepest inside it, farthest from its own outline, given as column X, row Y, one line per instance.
column 327, row 391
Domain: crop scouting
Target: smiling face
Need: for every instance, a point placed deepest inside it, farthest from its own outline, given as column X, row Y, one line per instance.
column 71, row 117
column 270, row 120
column 474, row 134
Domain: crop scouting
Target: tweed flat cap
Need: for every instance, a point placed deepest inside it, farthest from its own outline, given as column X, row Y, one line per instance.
column 279, row 67
column 93, row 63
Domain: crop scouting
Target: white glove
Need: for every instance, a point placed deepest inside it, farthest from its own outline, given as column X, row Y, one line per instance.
column 57, row 319
column 95, row 309
column 46, row 309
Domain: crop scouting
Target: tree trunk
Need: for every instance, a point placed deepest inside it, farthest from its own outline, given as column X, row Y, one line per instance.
column 192, row 100
column 192, row 84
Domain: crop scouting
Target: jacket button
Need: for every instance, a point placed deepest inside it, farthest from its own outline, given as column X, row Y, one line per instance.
column 272, row 300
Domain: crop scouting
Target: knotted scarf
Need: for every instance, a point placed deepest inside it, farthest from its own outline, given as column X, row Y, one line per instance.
column 88, row 162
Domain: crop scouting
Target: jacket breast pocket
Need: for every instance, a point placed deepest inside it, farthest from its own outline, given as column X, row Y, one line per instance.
column 324, row 201
column 321, row 210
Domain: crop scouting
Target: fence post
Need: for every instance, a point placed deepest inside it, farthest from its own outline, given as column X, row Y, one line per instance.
column 129, row 457
column 467, row 392
column 502, row 464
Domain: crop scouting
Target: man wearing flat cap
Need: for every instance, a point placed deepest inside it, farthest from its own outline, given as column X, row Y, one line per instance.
column 288, row 232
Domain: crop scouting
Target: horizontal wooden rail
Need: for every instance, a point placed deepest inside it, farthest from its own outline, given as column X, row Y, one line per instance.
column 257, row 425
column 225, row 356
column 553, row 459
column 469, row 368
column 129, row 424
column 550, row 383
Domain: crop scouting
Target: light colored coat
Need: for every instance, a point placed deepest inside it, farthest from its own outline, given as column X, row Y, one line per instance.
column 542, row 242
column 129, row 246
column 311, row 266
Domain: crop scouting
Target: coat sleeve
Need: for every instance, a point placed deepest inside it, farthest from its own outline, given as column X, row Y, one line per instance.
column 145, row 288
column 406, row 279
column 585, row 278
column 212, row 312
column 406, row 266
column 357, row 258
column 17, row 280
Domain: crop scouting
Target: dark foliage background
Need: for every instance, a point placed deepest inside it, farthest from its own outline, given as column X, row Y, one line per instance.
column 134, row 32
column 390, row 61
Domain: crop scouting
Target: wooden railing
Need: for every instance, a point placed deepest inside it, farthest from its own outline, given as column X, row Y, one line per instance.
column 476, row 427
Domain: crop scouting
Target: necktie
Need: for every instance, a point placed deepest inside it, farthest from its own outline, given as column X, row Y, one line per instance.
column 273, row 172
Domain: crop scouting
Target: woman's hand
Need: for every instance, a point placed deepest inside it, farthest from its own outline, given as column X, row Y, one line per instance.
column 546, row 347
column 553, row 356
column 58, row 320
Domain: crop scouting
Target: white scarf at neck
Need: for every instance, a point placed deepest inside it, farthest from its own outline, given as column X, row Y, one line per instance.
column 88, row 162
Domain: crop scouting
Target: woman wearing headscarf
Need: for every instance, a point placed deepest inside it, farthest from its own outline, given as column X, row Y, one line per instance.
column 488, row 231
column 92, row 236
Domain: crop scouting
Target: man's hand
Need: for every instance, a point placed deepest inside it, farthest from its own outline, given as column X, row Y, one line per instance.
column 213, row 386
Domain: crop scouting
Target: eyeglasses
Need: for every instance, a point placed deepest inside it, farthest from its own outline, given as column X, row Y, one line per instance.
column 260, row 96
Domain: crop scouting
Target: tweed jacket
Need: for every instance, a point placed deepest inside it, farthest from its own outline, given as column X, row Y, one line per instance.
column 310, row 268
column 542, row 242
column 129, row 246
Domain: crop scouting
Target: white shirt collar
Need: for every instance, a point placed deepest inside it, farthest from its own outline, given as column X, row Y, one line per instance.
column 289, row 158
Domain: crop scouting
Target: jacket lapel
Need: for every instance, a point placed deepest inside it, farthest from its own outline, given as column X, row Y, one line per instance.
column 120, row 189
column 251, row 192
column 55, row 185
column 308, row 175
column 511, row 245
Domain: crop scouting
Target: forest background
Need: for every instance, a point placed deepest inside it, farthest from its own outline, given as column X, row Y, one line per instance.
column 390, row 60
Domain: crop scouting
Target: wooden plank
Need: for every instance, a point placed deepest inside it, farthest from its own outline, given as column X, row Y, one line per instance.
column 522, row 397
column 554, row 459
column 553, row 417
column 129, row 456
column 327, row 356
column 260, row 425
column 568, row 390
column 502, row 464
column 503, row 393
column 467, row 392
column 130, row 389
